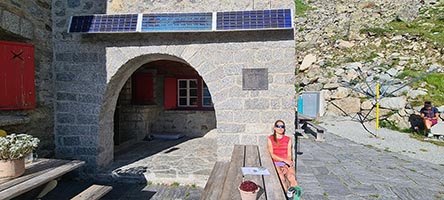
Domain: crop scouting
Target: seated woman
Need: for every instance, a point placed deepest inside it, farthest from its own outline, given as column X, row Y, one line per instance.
column 429, row 115
column 279, row 147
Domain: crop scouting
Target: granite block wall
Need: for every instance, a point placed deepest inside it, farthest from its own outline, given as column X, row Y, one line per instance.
column 30, row 22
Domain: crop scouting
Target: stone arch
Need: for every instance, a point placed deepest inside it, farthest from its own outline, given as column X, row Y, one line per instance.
column 115, row 82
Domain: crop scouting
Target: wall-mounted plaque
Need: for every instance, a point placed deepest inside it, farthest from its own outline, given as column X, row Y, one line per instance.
column 255, row 79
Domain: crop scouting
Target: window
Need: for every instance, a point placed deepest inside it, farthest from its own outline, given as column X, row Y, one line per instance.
column 187, row 92
column 206, row 96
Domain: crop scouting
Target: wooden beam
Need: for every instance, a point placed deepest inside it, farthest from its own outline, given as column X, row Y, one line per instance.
column 94, row 192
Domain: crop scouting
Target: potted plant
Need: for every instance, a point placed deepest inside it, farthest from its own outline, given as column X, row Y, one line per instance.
column 13, row 150
column 248, row 190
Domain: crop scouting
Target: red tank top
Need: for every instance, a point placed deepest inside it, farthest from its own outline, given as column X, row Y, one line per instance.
column 280, row 148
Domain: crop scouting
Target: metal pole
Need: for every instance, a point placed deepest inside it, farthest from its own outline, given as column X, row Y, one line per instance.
column 296, row 140
column 377, row 108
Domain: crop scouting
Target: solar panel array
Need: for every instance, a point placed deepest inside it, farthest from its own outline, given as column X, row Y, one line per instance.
column 177, row 22
column 183, row 22
column 104, row 23
column 256, row 19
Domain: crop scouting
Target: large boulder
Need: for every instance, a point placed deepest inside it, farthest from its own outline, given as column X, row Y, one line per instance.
column 415, row 93
column 340, row 93
column 393, row 103
column 307, row 62
column 401, row 122
column 367, row 104
column 345, row 106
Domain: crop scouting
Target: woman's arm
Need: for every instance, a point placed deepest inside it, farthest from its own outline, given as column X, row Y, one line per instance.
column 289, row 154
column 421, row 114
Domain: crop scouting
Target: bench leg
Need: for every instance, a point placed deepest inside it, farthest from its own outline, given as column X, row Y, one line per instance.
column 320, row 137
column 48, row 188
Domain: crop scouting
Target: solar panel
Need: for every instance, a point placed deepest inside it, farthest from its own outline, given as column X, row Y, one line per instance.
column 183, row 22
column 255, row 19
column 170, row 22
column 103, row 23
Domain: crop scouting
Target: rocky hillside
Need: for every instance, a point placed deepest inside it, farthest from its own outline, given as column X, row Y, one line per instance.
column 346, row 47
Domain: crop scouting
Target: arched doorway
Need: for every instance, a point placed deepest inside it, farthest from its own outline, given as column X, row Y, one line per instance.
column 162, row 99
column 159, row 95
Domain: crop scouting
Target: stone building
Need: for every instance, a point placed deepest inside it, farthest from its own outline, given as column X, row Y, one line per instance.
column 111, row 89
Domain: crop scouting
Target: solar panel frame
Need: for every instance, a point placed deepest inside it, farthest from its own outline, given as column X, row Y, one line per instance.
column 255, row 20
column 103, row 23
column 177, row 22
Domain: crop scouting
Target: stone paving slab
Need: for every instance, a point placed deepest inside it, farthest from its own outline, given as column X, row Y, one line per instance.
column 344, row 170
column 185, row 161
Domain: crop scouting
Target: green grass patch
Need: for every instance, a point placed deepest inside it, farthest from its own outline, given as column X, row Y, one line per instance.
column 421, row 138
column 409, row 74
column 429, row 26
column 431, row 29
column 301, row 8
column 379, row 32
column 434, row 84
column 376, row 196
column 389, row 124
column 423, row 150
column 175, row 184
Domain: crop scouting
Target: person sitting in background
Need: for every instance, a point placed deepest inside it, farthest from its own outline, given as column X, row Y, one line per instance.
column 280, row 149
column 429, row 115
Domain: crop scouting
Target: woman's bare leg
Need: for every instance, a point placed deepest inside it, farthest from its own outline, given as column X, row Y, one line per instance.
column 281, row 174
column 291, row 177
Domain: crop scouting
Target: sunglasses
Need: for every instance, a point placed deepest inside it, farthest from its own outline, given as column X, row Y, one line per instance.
column 280, row 126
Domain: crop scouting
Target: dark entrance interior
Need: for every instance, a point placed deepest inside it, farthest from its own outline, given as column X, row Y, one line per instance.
column 164, row 99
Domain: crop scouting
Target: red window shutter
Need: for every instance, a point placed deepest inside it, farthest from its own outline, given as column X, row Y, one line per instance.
column 143, row 92
column 170, row 93
column 17, row 87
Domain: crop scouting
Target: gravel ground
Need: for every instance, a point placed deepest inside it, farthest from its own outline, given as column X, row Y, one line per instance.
column 388, row 140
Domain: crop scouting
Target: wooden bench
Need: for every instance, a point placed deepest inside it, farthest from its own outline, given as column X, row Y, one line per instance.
column 226, row 176
column 308, row 125
column 319, row 130
column 93, row 192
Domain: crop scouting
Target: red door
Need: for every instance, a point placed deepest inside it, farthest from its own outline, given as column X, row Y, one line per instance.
column 16, row 76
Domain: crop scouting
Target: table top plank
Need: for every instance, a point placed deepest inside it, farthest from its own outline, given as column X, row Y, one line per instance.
column 37, row 174
column 276, row 191
column 234, row 174
column 252, row 159
column 213, row 188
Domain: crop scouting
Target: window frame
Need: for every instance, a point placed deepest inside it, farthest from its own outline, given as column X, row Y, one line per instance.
column 188, row 93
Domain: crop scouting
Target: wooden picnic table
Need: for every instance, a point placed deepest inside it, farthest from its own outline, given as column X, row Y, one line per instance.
column 37, row 173
column 226, row 176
